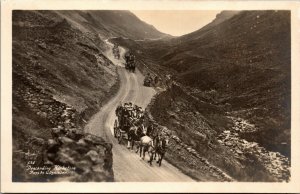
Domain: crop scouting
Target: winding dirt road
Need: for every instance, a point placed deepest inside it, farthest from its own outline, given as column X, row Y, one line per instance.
column 127, row 165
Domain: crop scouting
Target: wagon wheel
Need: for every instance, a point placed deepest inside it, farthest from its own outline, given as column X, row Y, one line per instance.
column 115, row 132
column 115, row 128
column 120, row 137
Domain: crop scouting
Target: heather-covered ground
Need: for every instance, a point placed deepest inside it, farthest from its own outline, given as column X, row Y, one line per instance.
column 231, row 95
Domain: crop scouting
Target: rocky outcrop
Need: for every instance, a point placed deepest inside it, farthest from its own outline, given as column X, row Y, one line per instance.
column 275, row 163
column 69, row 156
column 83, row 157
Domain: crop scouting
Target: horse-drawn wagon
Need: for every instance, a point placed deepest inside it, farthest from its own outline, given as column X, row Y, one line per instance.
column 129, row 126
column 130, row 62
column 130, row 66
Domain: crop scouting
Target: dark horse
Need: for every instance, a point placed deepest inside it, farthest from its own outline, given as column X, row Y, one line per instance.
column 134, row 135
column 131, row 66
column 160, row 148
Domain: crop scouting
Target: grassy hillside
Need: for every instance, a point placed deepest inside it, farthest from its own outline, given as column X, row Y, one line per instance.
column 61, row 77
column 234, row 77
column 246, row 60
column 220, row 17
column 112, row 23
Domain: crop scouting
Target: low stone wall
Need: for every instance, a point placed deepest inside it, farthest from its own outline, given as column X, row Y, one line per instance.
column 186, row 152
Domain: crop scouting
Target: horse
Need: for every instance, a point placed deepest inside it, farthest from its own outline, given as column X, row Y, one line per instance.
column 152, row 131
column 134, row 134
column 131, row 66
column 119, row 111
column 160, row 147
column 146, row 145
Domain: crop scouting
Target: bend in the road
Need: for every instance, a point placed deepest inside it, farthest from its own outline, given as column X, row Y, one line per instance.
column 127, row 165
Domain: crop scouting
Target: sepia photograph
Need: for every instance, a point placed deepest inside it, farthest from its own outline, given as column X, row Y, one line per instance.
column 150, row 95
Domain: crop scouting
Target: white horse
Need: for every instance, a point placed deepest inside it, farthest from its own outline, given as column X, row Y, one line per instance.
column 146, row 145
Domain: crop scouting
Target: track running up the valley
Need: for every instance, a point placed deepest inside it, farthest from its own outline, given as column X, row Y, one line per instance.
column 127, row 165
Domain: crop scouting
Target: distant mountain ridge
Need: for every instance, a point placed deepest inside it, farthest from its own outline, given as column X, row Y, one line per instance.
column 112, row 23
column 220, row 17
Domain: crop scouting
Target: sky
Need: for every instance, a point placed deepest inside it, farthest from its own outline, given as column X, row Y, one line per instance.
column 176, row 22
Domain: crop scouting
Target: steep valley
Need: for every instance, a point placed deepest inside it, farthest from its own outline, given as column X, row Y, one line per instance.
column 230, row 94
column 223, row 96
column 61, row 77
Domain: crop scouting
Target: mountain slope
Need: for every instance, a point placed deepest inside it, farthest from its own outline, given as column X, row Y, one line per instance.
column 61, row 77
column 246, row 59
column 231, row 93
column 221, row 17
column 55, row 83
column 112, row 23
